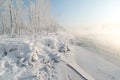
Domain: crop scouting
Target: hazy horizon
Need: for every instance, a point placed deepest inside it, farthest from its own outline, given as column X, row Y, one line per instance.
column 87, row 14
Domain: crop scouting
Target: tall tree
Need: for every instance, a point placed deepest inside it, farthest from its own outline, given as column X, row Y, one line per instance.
column 21, row 18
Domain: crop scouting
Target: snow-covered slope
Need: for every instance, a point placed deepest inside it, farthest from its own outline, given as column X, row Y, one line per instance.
column 96, row 65
column 37, row 59
column 53, row 57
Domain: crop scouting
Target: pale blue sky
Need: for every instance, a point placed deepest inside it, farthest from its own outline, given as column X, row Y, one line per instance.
column 77, row 12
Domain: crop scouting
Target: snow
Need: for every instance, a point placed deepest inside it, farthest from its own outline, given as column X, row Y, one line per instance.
column 34, row 59
column 53, row 57
column 97, row 66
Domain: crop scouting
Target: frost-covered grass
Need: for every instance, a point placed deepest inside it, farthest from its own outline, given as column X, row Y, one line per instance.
column 31, row 59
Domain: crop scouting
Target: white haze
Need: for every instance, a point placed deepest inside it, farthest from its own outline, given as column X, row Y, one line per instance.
column 108, row 35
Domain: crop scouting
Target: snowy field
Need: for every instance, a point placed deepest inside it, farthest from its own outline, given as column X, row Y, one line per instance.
column 44, row 58
column 55, row 57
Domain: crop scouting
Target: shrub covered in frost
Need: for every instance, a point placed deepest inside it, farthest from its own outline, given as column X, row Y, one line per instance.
column 32, row 59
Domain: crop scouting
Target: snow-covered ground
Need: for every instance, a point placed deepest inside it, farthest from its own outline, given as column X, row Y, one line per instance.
column 99, row 67
column 53, row 57
column 37, row 59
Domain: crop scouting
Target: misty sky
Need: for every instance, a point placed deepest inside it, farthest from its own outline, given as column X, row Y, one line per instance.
column 85, row 12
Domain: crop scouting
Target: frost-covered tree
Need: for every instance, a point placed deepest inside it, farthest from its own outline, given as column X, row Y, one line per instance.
column 26, row 17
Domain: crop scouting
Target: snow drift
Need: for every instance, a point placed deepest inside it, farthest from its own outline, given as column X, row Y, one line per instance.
column 31, row 59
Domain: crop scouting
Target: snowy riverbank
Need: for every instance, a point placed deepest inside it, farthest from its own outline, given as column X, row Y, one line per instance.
column 53, row 57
